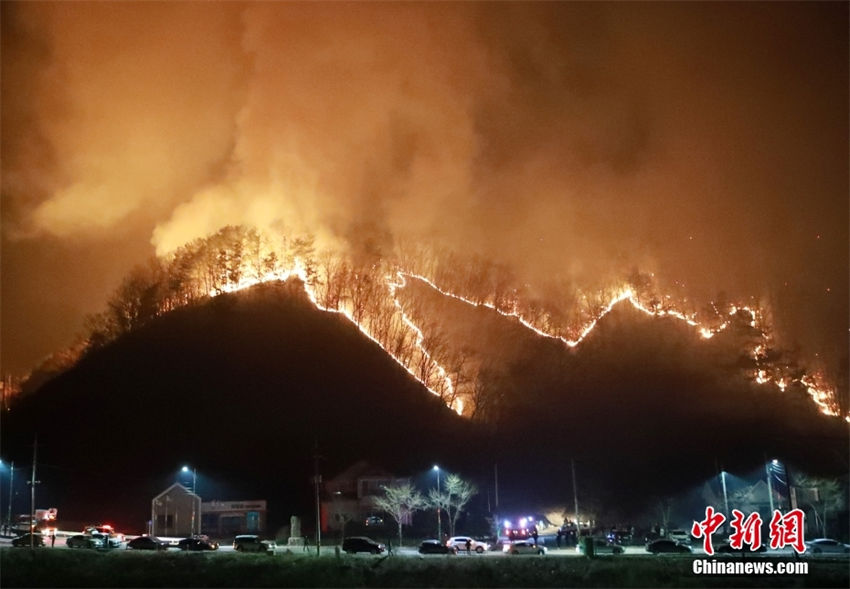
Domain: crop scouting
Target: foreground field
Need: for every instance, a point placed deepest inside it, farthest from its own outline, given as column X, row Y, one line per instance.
column 54, row 568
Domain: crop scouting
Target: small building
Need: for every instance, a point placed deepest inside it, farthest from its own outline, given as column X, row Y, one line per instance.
column 176, row 512
column 228, row 518
column 350, row 495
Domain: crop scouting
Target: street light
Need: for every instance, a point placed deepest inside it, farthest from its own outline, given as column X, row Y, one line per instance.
column 777, row 472
column 11, row 492
column 194, row 499
column 439, row 518
column 725, row 495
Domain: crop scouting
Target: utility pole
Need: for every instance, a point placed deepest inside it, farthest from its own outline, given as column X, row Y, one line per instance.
column 792, row 496
column 33, row 483
column 496, row 523
column 439, row 516
column 575, row 497
column 769, row 484
column 317, row 479
column 496, row 479
column 11, row 494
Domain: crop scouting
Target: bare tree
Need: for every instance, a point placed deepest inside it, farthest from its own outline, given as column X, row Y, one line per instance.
column 452, row 498
column 823, row 496
column 400, row 502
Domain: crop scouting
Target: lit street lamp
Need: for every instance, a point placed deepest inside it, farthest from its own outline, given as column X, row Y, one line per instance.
column 777, row 472
column 768, row 467
column 194, row 499
column 725, row 495
column 439, row 518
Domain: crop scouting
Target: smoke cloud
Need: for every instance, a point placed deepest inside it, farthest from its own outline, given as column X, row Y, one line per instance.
column 570, row 142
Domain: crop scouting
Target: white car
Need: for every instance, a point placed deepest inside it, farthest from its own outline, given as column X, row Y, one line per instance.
column 459, row 542
column 524, row 547
column 827, row 546
column 680, row 536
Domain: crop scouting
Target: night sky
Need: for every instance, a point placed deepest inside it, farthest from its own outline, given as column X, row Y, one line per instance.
column 704, row 143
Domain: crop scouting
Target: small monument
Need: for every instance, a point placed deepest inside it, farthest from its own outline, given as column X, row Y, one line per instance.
column 295, row 537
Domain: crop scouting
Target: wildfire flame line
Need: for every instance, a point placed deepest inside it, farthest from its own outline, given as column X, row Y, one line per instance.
column 299, row 270
column 820, row 395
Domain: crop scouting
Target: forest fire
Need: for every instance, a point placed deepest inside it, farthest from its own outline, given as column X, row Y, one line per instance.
column 548, row 142
column 386, row 322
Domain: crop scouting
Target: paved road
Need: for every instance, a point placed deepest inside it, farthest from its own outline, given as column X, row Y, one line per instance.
column 631, row 551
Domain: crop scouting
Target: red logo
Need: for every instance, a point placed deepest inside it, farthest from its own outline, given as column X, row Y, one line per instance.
column 746, row 531
column 788, row 530
column 707, row 527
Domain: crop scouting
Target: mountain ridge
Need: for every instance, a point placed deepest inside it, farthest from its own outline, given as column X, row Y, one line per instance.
column 246, row 386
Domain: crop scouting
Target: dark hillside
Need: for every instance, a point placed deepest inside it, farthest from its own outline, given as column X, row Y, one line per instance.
column 240, row 387
column 644, row 405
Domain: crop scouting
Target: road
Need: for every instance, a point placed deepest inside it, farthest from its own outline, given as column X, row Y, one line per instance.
column 631, row 551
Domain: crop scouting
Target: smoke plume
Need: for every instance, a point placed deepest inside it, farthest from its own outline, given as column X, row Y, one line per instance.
column 572, row 143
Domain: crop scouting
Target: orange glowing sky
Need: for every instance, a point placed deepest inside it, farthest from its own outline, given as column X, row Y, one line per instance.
column 572, row 142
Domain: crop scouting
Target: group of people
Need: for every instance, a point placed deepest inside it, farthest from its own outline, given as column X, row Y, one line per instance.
column 565, row 537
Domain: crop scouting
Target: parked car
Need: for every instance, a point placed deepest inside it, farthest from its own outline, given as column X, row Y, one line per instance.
column 362, row 544
column 680, row 536
column 105, row 529
column 147, row 543
column 107, row 540
column 827, row 546
column 459, row 542
column 726, row 548
column 666, row 546
column 524, row 547
column 84, row 541
column 252, row 543
column 24, row 540
column 436, row 547
column 197, row 543
column 601, row 546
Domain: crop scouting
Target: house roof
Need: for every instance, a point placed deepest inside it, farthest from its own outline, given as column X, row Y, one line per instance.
column 361, row 469
column 176, row 487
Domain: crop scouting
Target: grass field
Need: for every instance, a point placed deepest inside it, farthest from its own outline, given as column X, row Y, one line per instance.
column 66, row 568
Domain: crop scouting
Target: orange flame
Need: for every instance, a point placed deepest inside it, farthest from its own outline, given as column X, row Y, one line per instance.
column 823, row 396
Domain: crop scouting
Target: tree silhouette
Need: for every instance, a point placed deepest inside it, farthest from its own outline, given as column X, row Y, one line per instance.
column 400, row 502
column 452, row 498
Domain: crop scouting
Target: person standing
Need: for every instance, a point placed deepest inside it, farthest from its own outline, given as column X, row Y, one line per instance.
column 52, row 538
column 469, row 546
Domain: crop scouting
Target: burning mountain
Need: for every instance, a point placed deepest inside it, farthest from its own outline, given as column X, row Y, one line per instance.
column 246, row 385
column 558, row 146
column 247, row 382
column 373, row 293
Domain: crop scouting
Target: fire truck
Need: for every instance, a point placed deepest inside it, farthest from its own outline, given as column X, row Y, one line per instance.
column 45, row 521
